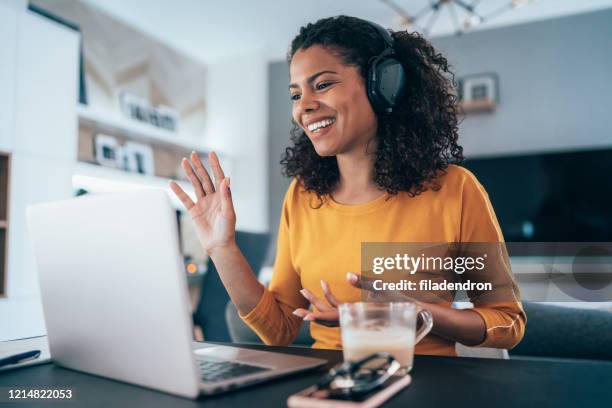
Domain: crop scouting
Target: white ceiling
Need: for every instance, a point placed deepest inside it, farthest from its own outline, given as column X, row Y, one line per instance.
column 216, row 30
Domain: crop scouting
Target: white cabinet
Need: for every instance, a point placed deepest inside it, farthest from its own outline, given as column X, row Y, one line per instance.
column 38, row 126
column 21, row 313
column 47, row 86
column 8, row 42
column 33, row 180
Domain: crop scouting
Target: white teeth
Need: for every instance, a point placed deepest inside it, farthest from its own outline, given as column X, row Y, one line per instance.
column 313, row 127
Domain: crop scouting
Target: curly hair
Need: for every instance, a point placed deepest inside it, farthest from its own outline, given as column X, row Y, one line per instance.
column 416, row 142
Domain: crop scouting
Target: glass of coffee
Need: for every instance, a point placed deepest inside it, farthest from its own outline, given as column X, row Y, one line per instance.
column 370, row 327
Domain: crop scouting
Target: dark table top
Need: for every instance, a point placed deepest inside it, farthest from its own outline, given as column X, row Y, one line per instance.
column 437, row 382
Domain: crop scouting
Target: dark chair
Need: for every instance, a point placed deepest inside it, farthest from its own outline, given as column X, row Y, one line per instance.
column 210, row 313
column 567, row 332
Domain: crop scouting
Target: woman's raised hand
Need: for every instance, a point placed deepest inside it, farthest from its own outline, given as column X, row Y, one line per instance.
column 213, row 212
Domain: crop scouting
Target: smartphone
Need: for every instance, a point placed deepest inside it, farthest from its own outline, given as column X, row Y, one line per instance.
column 312, row 397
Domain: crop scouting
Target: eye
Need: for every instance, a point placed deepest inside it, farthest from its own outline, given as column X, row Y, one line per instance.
column 323, row 85
column 295, row 97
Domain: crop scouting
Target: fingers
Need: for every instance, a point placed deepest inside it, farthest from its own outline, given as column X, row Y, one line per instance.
column 301, row 313
column 328, row 294
column 330, row 318
column 315, row 301
column 195, row 181
column 216, row 168
column 202, row 173
column 185, row 199
column 227, row 206
column 324, row 314
column 359, row 281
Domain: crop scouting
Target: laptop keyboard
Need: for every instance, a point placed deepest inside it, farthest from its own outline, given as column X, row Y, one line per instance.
column 214, row 370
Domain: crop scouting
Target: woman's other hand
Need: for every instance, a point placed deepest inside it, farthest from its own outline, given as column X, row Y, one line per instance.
column 213, row 212
column 327, row 313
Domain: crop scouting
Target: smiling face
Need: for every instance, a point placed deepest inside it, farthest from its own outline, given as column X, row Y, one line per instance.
column 330, row 102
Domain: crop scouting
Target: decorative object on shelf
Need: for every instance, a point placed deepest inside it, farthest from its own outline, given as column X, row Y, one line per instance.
column 478, row 93
column 134, row 106
column 108, row 151
column 138, row 108
column 92, row 121
column 472, row 13
column 138, row 158
column 120, row 58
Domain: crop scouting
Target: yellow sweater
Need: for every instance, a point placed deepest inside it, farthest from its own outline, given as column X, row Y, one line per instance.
column 325, row 243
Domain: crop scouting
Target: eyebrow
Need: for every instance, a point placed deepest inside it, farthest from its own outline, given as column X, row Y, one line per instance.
column 311, row 78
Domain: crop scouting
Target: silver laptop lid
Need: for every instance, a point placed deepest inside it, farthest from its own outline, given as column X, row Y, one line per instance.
column 113, row 288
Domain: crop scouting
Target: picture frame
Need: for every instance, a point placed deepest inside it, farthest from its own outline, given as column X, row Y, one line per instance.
column 478, row 92
column 133, row 106
column 138, row 158
column 108, row 151
column 166, row 117
column 138, row 108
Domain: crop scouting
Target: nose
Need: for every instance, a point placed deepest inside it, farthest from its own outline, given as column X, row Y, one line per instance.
column 308, row 102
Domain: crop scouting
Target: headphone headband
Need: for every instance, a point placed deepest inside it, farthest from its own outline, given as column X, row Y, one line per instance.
column 383, row 32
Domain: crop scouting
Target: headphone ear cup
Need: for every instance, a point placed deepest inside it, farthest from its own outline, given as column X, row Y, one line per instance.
column 385, row 84
column 372, row 79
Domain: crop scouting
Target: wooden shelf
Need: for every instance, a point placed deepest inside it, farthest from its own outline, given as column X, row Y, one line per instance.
column 99, row 179
column 137, row 131
column 485, row 105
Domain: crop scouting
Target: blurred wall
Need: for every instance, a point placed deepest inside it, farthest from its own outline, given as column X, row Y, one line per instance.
column 554, row 85
column 279, row 119
column 237, row 126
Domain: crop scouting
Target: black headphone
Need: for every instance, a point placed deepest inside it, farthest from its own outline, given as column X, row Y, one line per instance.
column 386, row 78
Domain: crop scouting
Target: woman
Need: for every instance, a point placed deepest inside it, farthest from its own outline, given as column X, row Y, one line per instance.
column 360, row 175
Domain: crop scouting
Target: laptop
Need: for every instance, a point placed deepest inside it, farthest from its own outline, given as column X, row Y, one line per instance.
column 115, row 298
